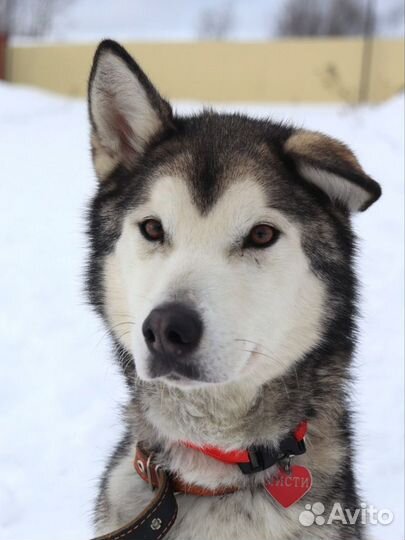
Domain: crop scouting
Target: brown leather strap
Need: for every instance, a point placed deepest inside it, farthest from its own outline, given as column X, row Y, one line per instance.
column 156, row 519
column 149, row 472
column 159, row 516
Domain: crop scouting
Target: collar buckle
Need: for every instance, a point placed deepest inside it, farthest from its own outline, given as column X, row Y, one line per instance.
column 262, row 458
column 291, row 447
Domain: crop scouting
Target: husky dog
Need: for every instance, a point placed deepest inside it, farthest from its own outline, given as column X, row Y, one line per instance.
column 221, row 261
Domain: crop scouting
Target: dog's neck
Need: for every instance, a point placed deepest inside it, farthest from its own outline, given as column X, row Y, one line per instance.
column 239, row 415
column 207, row 416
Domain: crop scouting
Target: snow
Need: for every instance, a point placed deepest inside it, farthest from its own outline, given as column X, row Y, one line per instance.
column 59, row 391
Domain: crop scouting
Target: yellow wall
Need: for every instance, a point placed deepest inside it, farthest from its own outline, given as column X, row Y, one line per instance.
column 286, row 70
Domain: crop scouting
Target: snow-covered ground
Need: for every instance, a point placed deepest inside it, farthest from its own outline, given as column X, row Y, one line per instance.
column 59, row 391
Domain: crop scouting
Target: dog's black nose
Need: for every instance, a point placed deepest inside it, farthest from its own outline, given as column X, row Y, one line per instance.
column 172, row 329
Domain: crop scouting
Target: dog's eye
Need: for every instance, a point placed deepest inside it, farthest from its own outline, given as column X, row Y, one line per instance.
column 261, row 236
column 152, row 230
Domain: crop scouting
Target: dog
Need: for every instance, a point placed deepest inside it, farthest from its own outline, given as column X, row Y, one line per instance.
column 222, row 262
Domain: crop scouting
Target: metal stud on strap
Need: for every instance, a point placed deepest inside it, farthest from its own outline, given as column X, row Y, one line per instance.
column 148, row 470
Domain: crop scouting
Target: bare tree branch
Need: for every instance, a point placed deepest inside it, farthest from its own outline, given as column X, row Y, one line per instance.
column 216, row 23
column 322, row 18
column 28, row 17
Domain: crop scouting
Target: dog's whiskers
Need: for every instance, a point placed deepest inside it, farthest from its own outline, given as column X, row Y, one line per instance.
column 273, row 359
column 124, row 359
column 260, row 346
column 108, row 332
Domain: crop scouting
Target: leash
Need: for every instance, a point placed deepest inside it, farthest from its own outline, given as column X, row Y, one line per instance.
column 156, row 520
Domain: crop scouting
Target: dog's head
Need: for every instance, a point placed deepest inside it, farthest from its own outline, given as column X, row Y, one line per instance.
column 221, row 245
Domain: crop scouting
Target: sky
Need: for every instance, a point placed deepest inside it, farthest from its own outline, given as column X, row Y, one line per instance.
column 83, row 20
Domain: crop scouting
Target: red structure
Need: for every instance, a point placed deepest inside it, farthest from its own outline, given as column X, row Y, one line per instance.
column 3, row 45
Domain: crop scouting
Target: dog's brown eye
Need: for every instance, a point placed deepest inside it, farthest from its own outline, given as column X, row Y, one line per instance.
column 261, row 236
column 152, row 230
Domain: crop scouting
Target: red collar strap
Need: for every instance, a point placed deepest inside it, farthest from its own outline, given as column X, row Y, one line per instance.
column 258, row 458
column 151, row 473
column 255, row 459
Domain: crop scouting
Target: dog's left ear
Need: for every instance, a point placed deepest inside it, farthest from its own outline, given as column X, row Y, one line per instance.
column 126, row 111
column 332, row 167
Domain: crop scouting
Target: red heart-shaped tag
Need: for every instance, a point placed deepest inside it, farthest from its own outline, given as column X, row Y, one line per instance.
column 286, row 488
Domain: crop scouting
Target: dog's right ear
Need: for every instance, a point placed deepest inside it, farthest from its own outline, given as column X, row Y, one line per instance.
column 126, row 111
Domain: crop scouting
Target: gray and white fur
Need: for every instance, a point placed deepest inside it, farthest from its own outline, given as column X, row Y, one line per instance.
column 276, row 324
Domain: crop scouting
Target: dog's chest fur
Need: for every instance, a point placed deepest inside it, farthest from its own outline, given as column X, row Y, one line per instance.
column 160, row 416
